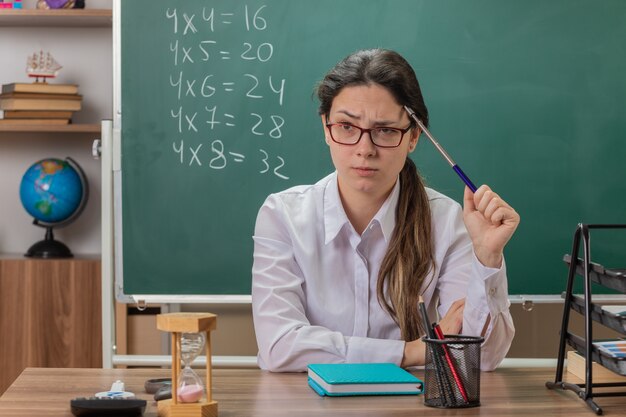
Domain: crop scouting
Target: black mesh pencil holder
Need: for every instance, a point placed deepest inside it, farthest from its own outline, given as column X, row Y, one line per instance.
column 452, row 377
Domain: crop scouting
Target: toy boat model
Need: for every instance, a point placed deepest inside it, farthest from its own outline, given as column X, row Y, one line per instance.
column 42, row 65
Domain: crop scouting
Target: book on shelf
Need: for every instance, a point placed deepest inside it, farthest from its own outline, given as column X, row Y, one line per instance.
column 33, row 122
column 576, row 367
column 12, row 103
column 35, row 114
column 43, row 88
column 615, row 348
column 348, row 379
column 37, row 96
column 617, row 310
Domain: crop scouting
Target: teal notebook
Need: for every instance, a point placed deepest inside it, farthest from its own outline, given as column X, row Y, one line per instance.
column 343, row 379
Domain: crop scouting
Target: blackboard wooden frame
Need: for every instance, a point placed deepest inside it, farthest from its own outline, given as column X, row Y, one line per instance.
column 535, row 88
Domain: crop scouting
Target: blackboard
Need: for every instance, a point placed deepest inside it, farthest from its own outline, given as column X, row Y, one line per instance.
column 218, row 111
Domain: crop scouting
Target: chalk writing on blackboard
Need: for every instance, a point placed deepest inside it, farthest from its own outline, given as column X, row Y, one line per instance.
column 199, row 114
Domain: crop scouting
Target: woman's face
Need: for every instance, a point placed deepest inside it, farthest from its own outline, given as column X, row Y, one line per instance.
column 364, row 168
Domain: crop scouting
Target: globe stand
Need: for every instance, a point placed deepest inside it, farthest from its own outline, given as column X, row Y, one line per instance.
column 49, row 248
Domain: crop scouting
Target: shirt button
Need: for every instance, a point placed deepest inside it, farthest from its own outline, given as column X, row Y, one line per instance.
column 492, row 291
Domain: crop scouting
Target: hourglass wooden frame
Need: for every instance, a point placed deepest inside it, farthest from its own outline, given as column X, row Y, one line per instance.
column 177, row 324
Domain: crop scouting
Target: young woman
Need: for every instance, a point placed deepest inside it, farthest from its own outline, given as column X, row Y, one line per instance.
column 339, row 265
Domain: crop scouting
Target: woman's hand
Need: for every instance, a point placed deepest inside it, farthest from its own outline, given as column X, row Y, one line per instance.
column 414, row 354
column 490, row 222
column 452, row 322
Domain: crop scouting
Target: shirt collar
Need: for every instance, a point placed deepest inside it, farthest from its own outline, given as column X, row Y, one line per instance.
column 335, row 217
column 386, row 216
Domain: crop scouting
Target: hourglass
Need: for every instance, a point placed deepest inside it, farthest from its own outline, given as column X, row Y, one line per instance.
column 190, row 334
column 190, row 387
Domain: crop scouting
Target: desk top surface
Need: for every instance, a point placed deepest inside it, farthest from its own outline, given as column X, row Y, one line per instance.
column 251, row 392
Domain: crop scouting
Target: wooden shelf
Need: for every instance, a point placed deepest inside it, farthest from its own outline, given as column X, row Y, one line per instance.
column 4, row 256
column 71, row 128
column 56, row 18
column 50, row 314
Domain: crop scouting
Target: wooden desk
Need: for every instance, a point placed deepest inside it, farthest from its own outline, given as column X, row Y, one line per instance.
column 251, row 392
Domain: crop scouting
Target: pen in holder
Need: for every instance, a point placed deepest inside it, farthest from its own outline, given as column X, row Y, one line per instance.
column 452, row 377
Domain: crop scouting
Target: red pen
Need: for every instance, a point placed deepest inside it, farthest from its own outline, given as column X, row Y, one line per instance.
column 459, row 383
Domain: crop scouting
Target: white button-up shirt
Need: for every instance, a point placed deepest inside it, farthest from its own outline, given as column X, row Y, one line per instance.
column 314, row 281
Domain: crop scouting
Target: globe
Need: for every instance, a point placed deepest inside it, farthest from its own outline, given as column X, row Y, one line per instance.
column 54, row 192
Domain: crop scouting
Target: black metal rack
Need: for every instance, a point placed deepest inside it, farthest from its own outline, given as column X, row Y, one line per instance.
column 610, row 278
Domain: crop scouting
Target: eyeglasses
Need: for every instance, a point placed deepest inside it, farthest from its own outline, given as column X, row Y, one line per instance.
column 383, row 137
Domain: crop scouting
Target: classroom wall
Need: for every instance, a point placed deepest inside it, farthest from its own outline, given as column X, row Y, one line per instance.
column 537, row 331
